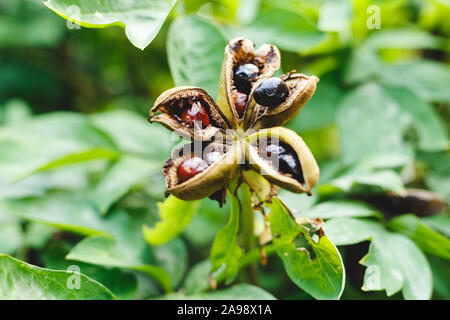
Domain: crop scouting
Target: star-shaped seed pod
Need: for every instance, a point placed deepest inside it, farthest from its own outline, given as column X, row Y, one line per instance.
column 241, row 134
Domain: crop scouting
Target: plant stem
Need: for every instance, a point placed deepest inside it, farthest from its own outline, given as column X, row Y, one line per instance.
column 247, row 227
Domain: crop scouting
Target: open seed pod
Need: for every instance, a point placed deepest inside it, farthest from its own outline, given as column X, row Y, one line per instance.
column 300, row 89
column 216, row 164
column 283, row 158
column 190, row 111
column 242, row 67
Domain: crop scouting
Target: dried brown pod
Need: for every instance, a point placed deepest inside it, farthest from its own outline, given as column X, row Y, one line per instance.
column 301, row 88
column 238, row 52
column 297, row 171
column 215, row 177
column 172, row 108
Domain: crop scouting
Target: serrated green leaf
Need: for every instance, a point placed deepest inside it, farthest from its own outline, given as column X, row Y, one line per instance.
column 316, row 265
column 175, row 216
column 141, row 19
column 426, row 238
column 22, row 281
column 195, row 51
column 225, row 252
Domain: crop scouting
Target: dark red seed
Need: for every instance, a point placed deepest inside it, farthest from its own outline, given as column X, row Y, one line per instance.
column 240, row 103
column 195, row 113
column 191, row 167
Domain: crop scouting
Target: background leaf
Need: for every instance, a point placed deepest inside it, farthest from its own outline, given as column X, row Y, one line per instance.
column 393, row 263
column 175, row 215
column 225, row 251
column 141, row 19
column 195, row 50
column 44, row 283
column 315, row 265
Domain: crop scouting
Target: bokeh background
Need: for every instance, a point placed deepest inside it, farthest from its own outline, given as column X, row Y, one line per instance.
column 78, row 159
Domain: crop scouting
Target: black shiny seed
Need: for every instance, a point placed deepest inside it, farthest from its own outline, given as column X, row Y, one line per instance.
column 283, row 157
column 243, row 75
column 271, row 92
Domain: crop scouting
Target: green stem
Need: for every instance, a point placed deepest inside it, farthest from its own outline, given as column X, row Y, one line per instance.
column 247, row 227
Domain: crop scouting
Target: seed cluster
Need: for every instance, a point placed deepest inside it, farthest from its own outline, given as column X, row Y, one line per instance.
column 251, row 104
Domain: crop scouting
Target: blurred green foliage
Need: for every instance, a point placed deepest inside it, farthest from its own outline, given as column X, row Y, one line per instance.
column 80, row 167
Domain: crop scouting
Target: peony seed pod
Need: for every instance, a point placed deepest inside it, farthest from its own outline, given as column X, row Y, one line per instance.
column 283, row 158
column 215, row 177
column 240, row 55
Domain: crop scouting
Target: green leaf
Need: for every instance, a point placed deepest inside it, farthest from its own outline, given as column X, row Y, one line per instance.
column 37, row 235
column 320, row 111
column 195, row 51
column 439, row 222
column 71, row 212
column 430, row 128
column 141, row 19
column 14, row 111
column 175, row 216
column 122, row 284
column 340, row 209
column 225, row 252
column 426, row 238
column 11, row 237
column 286, row 29
column 428, row 79
column 49, row 141
column 197, row 278
column 237, row 292
column 403, row 39
column 314, row 264
column 363, row 63
column 372, row 182
column 393, row 263
column 70, row 159
column 22, row 281
column 335, row 16
column 133, row 134
column 210, row 218
column 120, row 178
column 386, row 120
column 106, row 252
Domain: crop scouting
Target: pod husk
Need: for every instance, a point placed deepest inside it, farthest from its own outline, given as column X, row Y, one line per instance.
column 216, row 177
column 160, row 113
column 301, row 88
column 310, row 169
column 242, row 50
